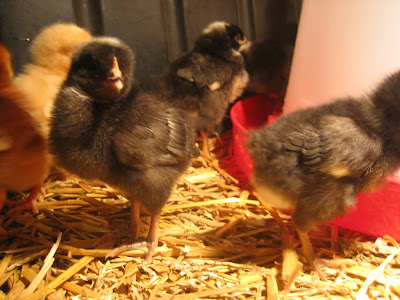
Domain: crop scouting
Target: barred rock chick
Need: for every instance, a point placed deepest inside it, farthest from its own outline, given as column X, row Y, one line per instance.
column 104, row 128
column 317, row 160
column 207, row 79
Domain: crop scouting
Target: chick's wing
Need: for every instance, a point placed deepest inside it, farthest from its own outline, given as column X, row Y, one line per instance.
column 159, row 141
column 204, row 71
column 338, row 147
column 193, row 74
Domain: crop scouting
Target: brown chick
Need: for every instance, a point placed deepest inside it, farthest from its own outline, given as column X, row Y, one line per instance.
column 317, row 160
column 24, row 161
column 207, row 79
column 40, row 81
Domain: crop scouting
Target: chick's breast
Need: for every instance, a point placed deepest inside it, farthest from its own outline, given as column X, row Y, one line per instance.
column 73, row 138
column 153, row 145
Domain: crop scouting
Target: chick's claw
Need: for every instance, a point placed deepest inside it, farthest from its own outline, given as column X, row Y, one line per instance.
column 152, row 237
column 337, row 262
column 309, row 253
column 205, row 149
column 150, row 247
column 29, row 204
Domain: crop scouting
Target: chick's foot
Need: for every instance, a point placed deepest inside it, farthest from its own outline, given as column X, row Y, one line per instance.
column 124, row 248
column 29, row 204
column 150, row 245
column 337, row 262
column 309, row 253
column 205, row 149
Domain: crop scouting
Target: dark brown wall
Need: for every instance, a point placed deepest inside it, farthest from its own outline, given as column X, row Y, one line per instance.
column 157, row 30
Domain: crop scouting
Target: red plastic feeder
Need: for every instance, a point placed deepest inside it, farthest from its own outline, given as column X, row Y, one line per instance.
column 249, row 113
column 375, row 214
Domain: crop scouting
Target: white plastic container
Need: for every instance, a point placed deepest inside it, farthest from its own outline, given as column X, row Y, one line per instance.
column 343, row 48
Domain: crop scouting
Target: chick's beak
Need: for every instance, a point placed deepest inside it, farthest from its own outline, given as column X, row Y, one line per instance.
column 244, row 41
column 114, row 78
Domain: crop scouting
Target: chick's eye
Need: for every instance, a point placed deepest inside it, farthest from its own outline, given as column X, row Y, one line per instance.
column 92, row 72
column 88, row 71
column 238, row 38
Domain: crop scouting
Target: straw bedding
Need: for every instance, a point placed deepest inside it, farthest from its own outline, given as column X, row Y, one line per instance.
column 216, row 242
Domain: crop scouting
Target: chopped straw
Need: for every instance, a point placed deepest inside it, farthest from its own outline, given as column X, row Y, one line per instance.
column 216, row 242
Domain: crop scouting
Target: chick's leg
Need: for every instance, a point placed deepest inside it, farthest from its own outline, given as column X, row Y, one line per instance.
column 3, row 198
column 205, row 150
column 30, row 202
column 136, row 222
column 308, row 252
column 152, row 237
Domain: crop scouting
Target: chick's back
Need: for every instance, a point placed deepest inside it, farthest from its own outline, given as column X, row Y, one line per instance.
column 317, row 160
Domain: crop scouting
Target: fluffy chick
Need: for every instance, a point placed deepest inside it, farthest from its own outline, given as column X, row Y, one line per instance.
column 23, row 150
column 40, row 81
column 317, row 160
column 207, row 79
column 104, row 128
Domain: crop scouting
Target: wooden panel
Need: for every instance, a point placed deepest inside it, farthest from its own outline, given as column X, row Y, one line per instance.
column 140, row 24
column 157, row 30
column 22, row 19
column 200, row 13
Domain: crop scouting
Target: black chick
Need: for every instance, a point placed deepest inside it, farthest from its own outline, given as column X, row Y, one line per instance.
column 104, row 128
column 207, row 79
column 317, row 160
